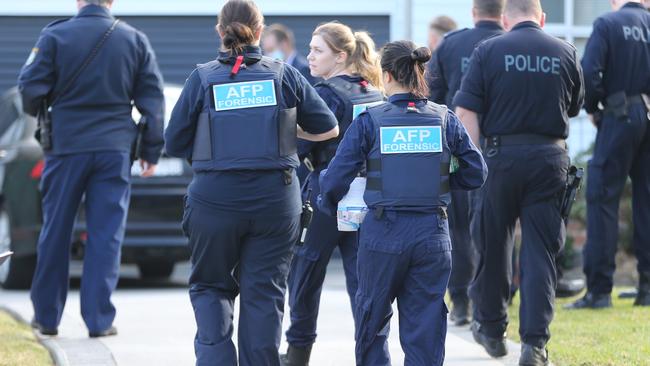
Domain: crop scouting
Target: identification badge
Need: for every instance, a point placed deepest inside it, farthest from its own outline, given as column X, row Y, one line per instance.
column 358, row 108
column 410, row 139
column 250, row 94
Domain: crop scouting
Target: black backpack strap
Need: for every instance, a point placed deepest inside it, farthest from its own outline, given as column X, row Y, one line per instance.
column 87, row 61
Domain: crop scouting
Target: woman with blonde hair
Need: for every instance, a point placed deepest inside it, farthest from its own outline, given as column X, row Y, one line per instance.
column 349, row 65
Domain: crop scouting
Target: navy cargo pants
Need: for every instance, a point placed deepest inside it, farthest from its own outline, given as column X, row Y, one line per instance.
column 104, row 179
column 526, row 182
column 309, row 266
column 622, row 149
column 404, row 256
column 232, row 256
column 463, row 254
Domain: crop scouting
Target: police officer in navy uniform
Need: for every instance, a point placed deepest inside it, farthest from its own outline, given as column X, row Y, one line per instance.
column 617, row 75
column 236, row 121
column 349, row 65
column 404, row 246
column 447, row 67
column 92, row 137
column 525, row 84
column 279, row 42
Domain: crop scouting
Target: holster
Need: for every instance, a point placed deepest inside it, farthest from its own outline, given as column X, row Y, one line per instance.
column 43, row 133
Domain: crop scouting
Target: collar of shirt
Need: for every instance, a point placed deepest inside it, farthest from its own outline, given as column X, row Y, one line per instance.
column 252, row 54
column 94, row 11
column 488, row 24
column 405, row 97
column 526, row 24
column 633, row 5
column 291, row 58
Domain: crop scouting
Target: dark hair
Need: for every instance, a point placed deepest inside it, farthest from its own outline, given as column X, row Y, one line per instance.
column 405, row 63
column 281, row 33
column 238, row 21
column 489, row 8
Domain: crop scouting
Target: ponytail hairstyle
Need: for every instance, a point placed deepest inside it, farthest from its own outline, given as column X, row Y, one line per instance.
column 405, row 63
column 239, row 20
column 360, row 48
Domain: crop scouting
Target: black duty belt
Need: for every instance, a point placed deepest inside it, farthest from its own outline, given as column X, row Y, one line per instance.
column 522, row 139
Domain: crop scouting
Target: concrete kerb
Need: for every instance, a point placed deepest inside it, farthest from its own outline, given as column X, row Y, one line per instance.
column 56, row 352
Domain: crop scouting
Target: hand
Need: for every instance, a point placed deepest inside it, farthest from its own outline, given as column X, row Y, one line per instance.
column 147, row 168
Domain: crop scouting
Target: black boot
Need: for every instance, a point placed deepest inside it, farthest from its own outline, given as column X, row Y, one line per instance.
column 495, row 347
column 592, row 301
column 569, row 287
column 533, row 356
column 296, row 356
column 460, row 311
column 643, row 296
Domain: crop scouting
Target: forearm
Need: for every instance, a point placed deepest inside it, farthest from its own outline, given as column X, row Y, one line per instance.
column 334, row 132
column 469, row 119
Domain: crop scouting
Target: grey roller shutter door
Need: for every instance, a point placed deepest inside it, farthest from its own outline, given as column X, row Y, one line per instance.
column 180, row 42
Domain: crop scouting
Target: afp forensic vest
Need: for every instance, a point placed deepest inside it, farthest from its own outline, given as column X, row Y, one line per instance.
column 357, row 97
column 408, row 164
column 244, row 123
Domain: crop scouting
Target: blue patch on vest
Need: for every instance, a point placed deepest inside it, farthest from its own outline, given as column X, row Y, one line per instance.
column 250, row 94
column 358, row 108
column 410, row 139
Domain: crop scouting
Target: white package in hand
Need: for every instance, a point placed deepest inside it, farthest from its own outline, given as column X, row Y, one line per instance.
column 352, row 209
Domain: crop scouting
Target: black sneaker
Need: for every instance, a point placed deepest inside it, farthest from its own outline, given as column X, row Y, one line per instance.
column 643, row 296
column 569, row 287
column 533, row 356
column 495, row 347
column 591, row 301
column 44, row 331
column 111, row 331
column 460, row 312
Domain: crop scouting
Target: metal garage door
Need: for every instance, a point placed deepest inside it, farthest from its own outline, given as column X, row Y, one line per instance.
column 179, row 42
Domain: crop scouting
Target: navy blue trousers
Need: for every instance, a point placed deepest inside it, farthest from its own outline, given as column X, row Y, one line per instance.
column 308, row 269
column 104, row 179
column 622, row 149
column 404, row 256
column 525, row 183
column 463, row 254
column 232, row 256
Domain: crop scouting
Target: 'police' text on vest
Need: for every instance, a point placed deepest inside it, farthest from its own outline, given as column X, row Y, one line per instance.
column 533, row 64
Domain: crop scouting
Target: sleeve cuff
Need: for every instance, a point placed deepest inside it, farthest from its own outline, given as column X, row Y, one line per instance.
column 468, row 101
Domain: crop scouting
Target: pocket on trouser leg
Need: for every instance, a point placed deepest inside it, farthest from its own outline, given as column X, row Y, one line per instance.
column 185, row 221
column 595, row 183
column 362, row 313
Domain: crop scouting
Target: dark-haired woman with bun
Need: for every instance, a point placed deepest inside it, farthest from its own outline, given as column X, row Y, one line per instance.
column 237, row 120
column 404, row 246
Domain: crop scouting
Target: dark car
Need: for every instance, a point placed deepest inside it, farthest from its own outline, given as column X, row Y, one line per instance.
column 154, row 239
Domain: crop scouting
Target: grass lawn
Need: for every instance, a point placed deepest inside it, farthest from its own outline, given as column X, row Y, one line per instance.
column 18, row 346
column 615, row 336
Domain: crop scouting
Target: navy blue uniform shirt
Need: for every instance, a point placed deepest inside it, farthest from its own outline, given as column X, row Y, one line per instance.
column 335, row 104
column 524, row 81
column 358, row 141
column 247, row 193
column 451, row 59
column 95, row 113
column 617, row 56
